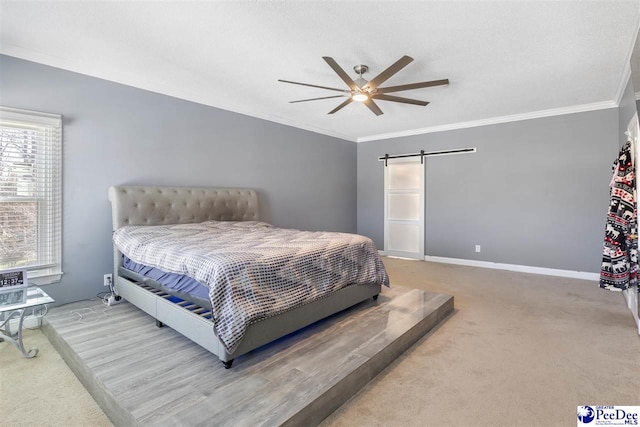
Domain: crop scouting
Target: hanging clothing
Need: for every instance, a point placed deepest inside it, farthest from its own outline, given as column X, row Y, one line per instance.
column 619, row 268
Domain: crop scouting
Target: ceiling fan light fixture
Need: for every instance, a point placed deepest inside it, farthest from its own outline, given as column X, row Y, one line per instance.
column 368, row 92
column 360, row 97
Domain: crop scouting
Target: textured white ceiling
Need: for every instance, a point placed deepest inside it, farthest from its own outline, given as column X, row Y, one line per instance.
column 503, row 58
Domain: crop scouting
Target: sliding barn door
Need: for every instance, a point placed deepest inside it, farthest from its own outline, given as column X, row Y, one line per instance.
column 404, row 208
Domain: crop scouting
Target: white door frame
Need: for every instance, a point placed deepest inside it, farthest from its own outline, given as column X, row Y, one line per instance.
column 631, row 294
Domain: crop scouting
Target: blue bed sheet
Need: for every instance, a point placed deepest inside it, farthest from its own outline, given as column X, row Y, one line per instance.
column 176, row 282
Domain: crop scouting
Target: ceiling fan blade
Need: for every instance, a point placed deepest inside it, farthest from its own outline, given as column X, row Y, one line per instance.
column 373, row 106
column 389, row 72
column 384, row 97
column 341, row 106
column 413, row 86
column 340, row 72
column 321, row 87
column 315, row 99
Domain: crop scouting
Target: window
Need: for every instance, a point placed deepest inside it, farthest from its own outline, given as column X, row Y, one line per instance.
column 30, row 193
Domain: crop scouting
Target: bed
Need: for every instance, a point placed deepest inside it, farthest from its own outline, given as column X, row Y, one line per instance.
column 195, row 212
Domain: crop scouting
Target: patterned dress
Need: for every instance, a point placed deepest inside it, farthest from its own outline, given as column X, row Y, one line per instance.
column 619, row 268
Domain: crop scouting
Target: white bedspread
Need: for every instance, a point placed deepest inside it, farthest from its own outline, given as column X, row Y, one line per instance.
column 254, row 270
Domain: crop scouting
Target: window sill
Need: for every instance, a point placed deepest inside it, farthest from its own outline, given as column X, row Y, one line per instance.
column 45, row 279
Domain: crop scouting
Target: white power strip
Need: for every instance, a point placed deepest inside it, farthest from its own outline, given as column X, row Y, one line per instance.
column 30, row 322
column 113, row 301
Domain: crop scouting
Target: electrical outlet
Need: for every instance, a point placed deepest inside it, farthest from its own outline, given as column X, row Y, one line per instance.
column 477, row 248
column 108, row 279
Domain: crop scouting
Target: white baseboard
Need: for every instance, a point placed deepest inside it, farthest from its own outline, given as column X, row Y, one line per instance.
column 514, row 267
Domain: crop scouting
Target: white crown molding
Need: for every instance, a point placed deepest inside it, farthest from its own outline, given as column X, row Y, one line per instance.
column 494, row 120
column 514, row 267
column 296, row 125
column 622, row 84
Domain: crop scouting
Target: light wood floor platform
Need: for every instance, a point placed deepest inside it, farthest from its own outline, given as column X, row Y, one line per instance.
column 143, row 375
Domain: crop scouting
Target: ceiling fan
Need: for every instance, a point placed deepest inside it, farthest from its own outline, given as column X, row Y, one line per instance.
column 361, row 90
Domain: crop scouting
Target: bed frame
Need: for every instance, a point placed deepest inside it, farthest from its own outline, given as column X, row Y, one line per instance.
column 133, row 205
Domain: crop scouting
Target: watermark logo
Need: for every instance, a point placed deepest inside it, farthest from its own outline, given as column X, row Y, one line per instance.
column 586, row 414
column 589, row 416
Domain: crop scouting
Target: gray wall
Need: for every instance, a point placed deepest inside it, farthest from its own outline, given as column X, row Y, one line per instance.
column 115, row 134
column 536, row 192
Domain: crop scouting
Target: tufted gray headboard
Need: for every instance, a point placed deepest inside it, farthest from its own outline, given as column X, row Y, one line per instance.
column 133, row 205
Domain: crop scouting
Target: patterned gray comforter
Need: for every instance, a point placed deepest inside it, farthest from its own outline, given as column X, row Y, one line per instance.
column 254, row 270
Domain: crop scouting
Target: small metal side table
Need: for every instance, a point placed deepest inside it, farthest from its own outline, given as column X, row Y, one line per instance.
column 36, row 304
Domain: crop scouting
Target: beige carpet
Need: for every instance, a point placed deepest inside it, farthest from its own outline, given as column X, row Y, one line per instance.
column 43, row 391
column 520, row 350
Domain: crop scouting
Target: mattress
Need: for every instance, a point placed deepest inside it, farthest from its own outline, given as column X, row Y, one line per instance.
column 251, row 269
column 179, row 285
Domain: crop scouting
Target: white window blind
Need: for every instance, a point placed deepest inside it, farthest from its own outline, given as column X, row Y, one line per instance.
column 30, row 193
